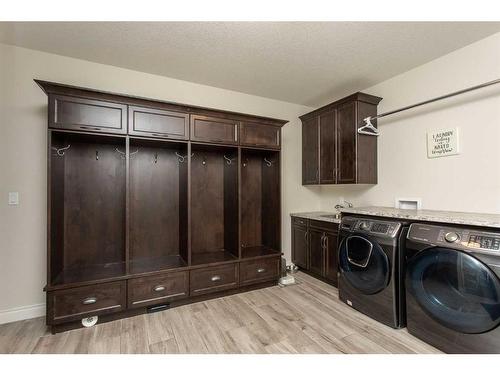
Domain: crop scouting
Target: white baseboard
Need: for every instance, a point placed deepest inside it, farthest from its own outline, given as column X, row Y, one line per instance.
column 21, row 313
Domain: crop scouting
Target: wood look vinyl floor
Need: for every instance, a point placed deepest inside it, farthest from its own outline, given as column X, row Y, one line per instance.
column 303, row 318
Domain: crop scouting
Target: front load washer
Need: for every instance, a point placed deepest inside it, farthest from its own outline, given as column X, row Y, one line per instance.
column 453, row 287
column 370, row 267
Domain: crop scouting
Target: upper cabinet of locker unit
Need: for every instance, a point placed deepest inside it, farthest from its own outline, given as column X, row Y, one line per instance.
column 86, row 110
column 259, row 135
column 214, row 129
column 332, row 150
column 74, row 113
column 158, row 123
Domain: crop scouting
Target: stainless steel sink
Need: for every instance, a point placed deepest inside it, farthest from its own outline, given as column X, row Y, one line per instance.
column 334, row 216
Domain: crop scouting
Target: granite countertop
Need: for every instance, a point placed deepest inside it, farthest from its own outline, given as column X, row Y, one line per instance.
column 448, row 217
column 317, row 215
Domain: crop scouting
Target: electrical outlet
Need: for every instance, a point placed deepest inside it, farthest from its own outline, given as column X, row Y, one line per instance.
column 13, row 198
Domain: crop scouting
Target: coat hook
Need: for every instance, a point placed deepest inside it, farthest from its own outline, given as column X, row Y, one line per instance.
column 204, row 161
column 245, row 162
column 156, row 158
column 60, row 151
column 268, row 162
column 229, row 161
column 96, row 155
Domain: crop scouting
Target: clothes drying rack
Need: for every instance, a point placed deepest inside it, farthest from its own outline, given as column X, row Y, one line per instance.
column 369, row 129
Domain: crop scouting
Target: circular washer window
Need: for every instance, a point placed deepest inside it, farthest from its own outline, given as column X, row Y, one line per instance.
column 455, row 289
column 364, row 264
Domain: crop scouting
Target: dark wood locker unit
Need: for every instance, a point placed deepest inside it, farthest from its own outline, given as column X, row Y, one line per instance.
column 314, row 248
column 87, row 202
column 260, row 199
column 154, row 204
column 158, row 175
column 332, row 150
column 214, row 204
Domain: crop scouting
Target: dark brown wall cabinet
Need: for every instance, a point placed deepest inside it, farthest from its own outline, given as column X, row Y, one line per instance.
column 332, row 150
column 153, row 203
column 314, row 247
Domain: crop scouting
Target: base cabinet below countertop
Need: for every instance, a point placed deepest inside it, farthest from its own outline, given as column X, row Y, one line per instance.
column 314, row 247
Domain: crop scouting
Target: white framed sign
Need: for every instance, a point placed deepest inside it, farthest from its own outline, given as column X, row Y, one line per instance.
column 442, row 143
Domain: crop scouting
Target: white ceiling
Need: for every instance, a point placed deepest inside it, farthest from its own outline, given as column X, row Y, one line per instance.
column 308, row 63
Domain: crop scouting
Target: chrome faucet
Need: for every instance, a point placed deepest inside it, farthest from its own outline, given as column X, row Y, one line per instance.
column 339, row 206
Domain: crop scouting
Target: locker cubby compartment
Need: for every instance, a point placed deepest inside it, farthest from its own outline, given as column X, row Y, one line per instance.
column 157, row 205
column 260, row 203
column 214, row 204
column 87, row 205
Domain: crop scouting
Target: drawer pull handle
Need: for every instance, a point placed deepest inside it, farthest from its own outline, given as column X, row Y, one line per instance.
column 160, row 135
column 260, row 270
column 89, row 128
column 89, row 301
column 159, row 288
column 215, row 278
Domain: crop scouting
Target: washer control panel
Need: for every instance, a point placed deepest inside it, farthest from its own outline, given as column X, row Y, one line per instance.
column 371, row 226
column 459, row 238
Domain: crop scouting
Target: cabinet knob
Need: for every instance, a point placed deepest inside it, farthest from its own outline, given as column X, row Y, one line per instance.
column 159, row 288
column 260, row 270
column 89, row 301
column 215, row 278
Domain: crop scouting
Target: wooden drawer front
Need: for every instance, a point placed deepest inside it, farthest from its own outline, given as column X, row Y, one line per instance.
column 158, row 123
column 67, row 112
column 254, row 271
column 213, row 279
column 214, row 130
column 299, row 221
column 325, row 225
column 76, row 303
column 154, row 290
column 259, row 135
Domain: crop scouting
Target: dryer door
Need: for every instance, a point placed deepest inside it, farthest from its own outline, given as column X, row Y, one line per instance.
column 364, row 264
column 455, row 289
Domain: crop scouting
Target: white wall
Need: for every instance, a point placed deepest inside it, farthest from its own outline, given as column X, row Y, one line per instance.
column 466, row 182
column 23, row 137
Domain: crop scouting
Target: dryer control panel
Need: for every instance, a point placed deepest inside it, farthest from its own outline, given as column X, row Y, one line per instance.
column 371, row 226
column 456, row 237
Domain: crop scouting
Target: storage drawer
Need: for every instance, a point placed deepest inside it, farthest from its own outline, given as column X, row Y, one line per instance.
column 68, row 112
column 152, row 290
column 259, row 135
column 299, row 221
column 76, row 303
column 213, row 130
column 158, row 123
column 213, row 279
column 324, row 225
column 259, row 270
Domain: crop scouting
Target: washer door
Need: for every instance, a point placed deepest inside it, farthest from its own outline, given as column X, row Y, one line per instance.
column 363, row 264
column 455, row 289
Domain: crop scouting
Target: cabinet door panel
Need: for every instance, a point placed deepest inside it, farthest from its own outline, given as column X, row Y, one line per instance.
column 68, row 112
column 346, row 143
column 300, row 255
column 316, row 251
column 331, row 257
column 310, row 151
column 327, row 158
column 259, row 135
column 158, row 123
column 213, row 130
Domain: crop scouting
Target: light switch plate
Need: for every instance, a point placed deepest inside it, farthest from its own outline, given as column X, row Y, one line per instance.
column 13, row 198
